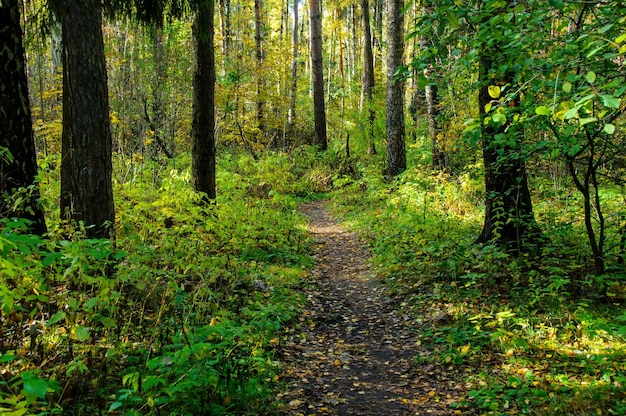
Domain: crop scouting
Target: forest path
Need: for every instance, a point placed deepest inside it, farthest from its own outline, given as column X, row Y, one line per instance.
column 353, row 353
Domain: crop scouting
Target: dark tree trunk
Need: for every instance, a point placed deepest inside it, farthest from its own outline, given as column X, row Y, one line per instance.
column 203, row 125
column 509, row 219
column 86, row 169
column 19, row 169
column 368, row 76
column 396, row 147
column 319, row 110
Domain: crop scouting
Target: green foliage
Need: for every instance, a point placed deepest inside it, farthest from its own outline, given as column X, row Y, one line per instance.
column 180, row 316
column 532, row 334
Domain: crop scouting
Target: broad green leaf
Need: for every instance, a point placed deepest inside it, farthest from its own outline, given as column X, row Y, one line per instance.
column 609, row 128
column 5, row 358
column 590, row 77
column 557, row 3
column 35, row 386
column 542, row 110
column 60, row 315
column 82, row 333
column 567, row 86
column 499, row 118
column 92, row 302
column 571, row 113
column 610, row 101
column 494, row 91
column 587, row 120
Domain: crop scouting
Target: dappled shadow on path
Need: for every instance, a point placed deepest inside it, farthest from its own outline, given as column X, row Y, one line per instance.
column 353, row 352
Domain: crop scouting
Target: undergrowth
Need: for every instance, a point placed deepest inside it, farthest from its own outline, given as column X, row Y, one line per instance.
column 180, row 316
column 530, row 334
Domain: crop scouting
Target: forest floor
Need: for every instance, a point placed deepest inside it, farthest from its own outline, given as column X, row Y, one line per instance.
column 353, row 352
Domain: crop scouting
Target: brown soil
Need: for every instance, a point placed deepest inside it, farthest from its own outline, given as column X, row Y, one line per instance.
column 353, row 350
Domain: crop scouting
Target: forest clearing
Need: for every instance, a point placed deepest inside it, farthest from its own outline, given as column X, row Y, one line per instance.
column 312, row 208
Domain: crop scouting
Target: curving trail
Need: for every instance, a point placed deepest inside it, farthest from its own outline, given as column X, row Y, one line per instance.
column 354, row 352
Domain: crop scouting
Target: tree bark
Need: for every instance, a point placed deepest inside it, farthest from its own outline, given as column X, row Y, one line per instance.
column 258, row 42
column 367, row 88
column 317, row 74
column 396, row 147
column 294, row 70
column 86, row 167
column 203, row 124
column 18, row 170
column 509, row 219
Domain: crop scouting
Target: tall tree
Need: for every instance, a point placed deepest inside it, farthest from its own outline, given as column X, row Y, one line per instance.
column 203, row 124
column 258, row 42
column 396, row 147
column 18, row 168
column 293, row 90
column 367, row 88
column 439, row 156
column 86, row 167
column 317, row 74
column 509, row 219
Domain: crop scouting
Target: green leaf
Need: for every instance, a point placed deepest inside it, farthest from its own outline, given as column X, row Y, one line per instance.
column 609, row 128
column 567, row 86
column 5, row 358
column 610, row 101
column 559, row 4
column 620, row 39
column 494, row 91
column 499, row 118
column 60, row 315
column 34, row 386
column 487, row 107
column 542, row 110
column 571, row 113
column 587, row 120
column 454, row 21
column 590, row 77
column 82, row 333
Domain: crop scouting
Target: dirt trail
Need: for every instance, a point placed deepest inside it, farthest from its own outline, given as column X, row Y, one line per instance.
column 354, row 353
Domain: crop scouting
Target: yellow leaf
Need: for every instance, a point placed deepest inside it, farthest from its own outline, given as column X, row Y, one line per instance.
column 337, row 361
column 494, row 91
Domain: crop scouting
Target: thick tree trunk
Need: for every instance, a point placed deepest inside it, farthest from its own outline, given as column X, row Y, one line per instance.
column 86, row 168
column 509, row 219
column 396, row 147
column 203, row 124
column 317, row 74
column 18, row 169
column 367, row 88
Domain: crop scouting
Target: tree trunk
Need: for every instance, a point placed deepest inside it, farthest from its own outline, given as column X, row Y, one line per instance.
column 509, row 219
column 367, row 87
column 258, row 42
column 439, row 157
column 294, row 71
column 203, row 124
column 317, row 74
column 86, row 168
column 396, row 148
column 19, row 169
